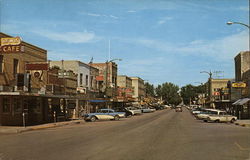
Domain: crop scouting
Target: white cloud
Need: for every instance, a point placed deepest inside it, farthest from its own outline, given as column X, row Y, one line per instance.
column 69, row 37
column 164, row 20
column 221, row 49
column 95, row 15
column 131, row 11
column 99, row 15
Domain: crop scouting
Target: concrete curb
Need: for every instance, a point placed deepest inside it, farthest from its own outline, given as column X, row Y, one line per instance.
column 9, row 130
column 242, row 124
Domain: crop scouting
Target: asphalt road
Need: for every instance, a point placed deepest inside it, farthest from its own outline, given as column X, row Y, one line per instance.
column 162, row 135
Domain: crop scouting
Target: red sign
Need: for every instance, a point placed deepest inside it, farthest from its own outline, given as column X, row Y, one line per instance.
column 99, row 78
column 38, row 66
column 12, row 49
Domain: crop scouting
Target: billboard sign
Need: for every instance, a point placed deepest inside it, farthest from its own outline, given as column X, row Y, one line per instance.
column 239, row 85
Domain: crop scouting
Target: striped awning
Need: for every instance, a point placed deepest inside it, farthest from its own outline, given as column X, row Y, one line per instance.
column 241, row 101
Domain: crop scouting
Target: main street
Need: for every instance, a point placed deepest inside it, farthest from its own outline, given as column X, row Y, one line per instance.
column 163, row 135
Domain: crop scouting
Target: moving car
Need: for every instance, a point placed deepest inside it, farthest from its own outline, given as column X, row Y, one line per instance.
column 104, row 114
column 178, row 109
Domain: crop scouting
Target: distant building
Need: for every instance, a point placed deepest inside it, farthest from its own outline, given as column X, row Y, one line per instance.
column 107, row 77
column 125, row 88
column 139, row 88
column 84, row 81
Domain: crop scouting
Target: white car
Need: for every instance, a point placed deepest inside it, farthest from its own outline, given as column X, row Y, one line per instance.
column 222, row 117
column 134, row 110
column 206, row 112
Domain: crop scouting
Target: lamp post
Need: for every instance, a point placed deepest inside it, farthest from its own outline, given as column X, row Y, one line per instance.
column 230, row 23
column 107, row 81
column 209, row 83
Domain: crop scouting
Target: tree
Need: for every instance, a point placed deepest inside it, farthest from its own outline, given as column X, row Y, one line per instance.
column 190, row 92
column 150, row 91
column 169, row 93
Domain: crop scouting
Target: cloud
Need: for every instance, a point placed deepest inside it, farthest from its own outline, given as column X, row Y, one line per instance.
column 69, row 37
column 164, row 20
column 131, row 11
column 95, row 15
column 100, row 15
column 221, row 49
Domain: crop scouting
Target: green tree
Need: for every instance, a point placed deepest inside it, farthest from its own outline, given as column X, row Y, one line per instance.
column 150, row 91
column 169, row 93
column 190, row 92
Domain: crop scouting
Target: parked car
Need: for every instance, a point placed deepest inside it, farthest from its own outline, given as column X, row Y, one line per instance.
column 221, row 117
column 196, row 111
column 104, row 114
column 206, row 112
column 134, row 111
column 127, row 112
column 145, row 109
column 178, row 109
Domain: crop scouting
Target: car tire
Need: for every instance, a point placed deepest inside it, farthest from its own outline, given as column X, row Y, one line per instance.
column 217, row 121
column 93, row 119
column 232, row 120
column 116, row 118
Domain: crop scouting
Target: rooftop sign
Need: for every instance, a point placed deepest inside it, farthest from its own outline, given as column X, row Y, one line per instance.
column 10, row 41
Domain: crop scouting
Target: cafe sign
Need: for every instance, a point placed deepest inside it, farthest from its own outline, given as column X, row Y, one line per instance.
column 11, row 45
column 10, row 41
column 239, row 85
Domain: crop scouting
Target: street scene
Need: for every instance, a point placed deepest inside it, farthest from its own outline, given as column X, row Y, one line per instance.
column 124, row 80
column 164, row 134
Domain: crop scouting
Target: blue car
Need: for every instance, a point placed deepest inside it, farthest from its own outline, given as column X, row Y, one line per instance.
column 104, row 114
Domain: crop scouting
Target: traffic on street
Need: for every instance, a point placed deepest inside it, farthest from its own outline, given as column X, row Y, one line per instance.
column 163, row 134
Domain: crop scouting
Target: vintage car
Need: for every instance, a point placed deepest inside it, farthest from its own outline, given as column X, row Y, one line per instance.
column 222, row 117
column 206, row 112
column 145, row 110
column 134, row 110
column 104, row 114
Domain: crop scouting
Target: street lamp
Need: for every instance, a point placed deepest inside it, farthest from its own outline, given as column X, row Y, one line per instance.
column 107, row 82
column 230, row 23
column 209, row 73
column 209, row 83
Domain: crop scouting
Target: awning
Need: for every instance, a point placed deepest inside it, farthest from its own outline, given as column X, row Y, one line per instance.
column 241, row 101
column 97, row 101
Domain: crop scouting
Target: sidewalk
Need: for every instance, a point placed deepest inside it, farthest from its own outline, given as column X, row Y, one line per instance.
column 243, row 123
column 15, row 129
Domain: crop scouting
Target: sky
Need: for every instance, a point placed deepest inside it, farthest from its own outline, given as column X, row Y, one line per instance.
column 158, row 40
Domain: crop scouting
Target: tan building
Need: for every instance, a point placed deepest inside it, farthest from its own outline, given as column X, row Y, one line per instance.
column 16, row 84
column 107, row 77
column 139, row 88
column 125, row 88
column 242, row 65
column 218, row 89
column 241, row 103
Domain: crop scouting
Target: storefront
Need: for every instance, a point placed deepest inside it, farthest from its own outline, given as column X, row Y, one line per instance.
column 241, row 108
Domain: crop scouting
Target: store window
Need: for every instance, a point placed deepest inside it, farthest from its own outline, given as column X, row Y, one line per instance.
column 6, row 104
column 1, row 63
column 15, row 67
column 17, row 105
column 81, row 78
column 87, row 80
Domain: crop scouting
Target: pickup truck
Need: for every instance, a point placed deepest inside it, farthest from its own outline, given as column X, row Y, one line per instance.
column 104, row 114
column 221, row 118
